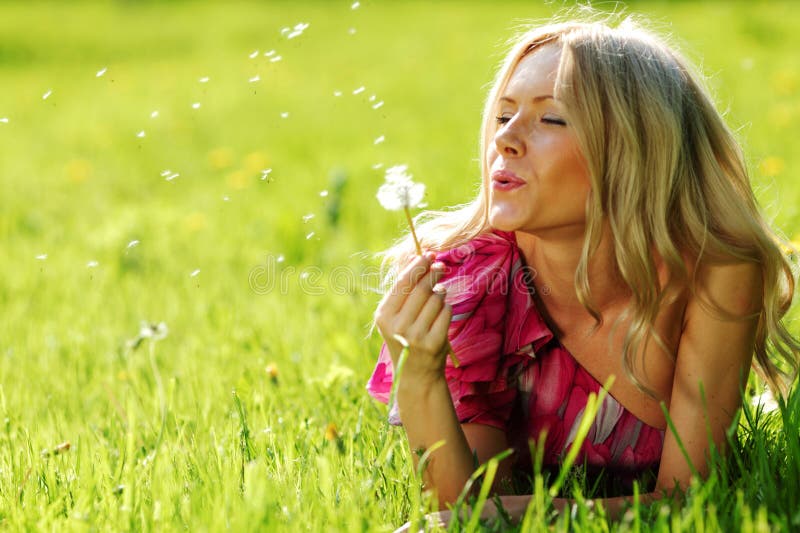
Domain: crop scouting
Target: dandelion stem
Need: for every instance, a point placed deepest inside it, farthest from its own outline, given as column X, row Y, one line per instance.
column 413, row 233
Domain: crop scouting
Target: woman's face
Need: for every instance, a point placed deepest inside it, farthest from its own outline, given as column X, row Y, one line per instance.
column 539, row 180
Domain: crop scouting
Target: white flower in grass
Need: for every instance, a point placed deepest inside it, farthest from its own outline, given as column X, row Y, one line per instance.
column 399, row 191
column 151, row 330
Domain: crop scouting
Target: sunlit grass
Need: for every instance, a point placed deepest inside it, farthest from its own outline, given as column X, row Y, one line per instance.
column 251, row 412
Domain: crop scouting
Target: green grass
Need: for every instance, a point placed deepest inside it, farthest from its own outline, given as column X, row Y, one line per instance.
column 192, row 432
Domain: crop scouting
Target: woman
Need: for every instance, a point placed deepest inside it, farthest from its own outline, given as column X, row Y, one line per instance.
column 615, row 234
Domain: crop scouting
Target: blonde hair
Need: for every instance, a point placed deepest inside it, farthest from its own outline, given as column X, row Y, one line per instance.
column 666, row 174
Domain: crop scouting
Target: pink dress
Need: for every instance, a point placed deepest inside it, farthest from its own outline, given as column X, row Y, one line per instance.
column 516, row 376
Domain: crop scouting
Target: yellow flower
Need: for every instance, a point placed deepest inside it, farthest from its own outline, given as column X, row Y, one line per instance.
column 331, row 432
column 220, row 158
column 255, row 162
column 194, row 221
column 272, row 372
column 786, row 81
column 771, row 166
column 238, row 180
column 78, row 170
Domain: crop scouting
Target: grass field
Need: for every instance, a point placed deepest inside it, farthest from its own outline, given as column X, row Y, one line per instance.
column 246, row 410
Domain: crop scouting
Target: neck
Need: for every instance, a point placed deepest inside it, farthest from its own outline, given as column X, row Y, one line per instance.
column 555, row 261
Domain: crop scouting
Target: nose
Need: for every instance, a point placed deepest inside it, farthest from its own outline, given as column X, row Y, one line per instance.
column 507, row 140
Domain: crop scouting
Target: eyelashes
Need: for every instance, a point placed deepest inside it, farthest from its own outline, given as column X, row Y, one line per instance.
column 502, row 120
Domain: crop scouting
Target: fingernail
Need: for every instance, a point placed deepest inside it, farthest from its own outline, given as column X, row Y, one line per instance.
column 439, row 288
column 430, row 256
column 438, row 265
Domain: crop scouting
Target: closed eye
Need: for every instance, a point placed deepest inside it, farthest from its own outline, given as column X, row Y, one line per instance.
column 553, row 120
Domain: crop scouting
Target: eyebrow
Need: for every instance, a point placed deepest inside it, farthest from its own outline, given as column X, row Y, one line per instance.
column 535, row 99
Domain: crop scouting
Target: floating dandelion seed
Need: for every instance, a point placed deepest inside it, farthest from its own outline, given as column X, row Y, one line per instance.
column 265, row 173
column 377, row 166
column 301, row 26
column 355, row 5
column 165, row 173
column 280, row 259
column 275, row 59
column 372, row 98
column 254, row 54
column 194, row 273
column 307, row 217
column 92, row 264
column 380, row 139
column 323, row 193
column 359, row 90
column 337, row 93
column 285, row 30
column 141, row 134
column 310, row 235
column 295, row 33
column 204, row 79
column 154, row 114
column 46, row 95
column 4, row 120
column 269, row 54
column 255, row 79
column 172, row 176
column 304, row 275
column 196, row 105
column 378, row 105
column 285, row 114
column 133, row 243
column 41, row 257
column 226, row 199
column 101, row 72
column 351, row 31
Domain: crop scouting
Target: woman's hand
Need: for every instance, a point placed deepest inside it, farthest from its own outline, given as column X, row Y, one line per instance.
column 418, row 314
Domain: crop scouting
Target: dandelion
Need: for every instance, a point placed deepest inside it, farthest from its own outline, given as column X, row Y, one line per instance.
column 46, row 95
column 254, row 54
column 359, row 90
column 194, row 273
column 204, row 79
column 153, row 331
column 141, row 134
column 323, row 193
column 101, row 72
column 332, row 432
column 400, row 192
column 92, row 264
column 255, row 79
column 307, row 217
column 380, row 139
column 275, row 59
column 154, row 114
column 272, row 372
column 196, row 105
column 133, row 243
column 378, row 105
column 41, row 257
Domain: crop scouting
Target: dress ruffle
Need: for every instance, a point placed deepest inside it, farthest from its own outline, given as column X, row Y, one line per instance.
column 495, row 330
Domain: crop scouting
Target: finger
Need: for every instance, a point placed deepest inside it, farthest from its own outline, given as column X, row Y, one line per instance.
column 441, row 324
column 406, row 281
column 427, row 315
column 415, row 301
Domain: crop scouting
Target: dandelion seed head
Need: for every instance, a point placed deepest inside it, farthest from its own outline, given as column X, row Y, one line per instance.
column 46, row 95
column 101, row 72
column 152, row 330
column 399, row 191
column 380, row 139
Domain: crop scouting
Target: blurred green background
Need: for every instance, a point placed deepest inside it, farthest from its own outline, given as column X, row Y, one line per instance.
column 95, row 239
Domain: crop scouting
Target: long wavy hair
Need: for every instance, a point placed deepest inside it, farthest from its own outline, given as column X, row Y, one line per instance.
column 666, row 174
